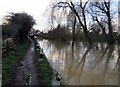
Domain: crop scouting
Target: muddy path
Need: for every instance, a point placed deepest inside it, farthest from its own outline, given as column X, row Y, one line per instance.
column 27, row 67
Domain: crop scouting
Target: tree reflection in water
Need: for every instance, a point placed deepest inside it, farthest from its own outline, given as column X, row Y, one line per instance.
column 81, row 64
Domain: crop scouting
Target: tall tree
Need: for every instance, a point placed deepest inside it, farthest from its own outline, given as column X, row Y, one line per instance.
column 73, row 31
column 95, row 14
column 24, row 20
column 104, row 7
column 83, row 15
column 82, row 19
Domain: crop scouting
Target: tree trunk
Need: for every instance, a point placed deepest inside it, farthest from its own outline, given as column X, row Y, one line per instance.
column 84, row 29
column 111, row 38
column 73, row 31
column 102, row 27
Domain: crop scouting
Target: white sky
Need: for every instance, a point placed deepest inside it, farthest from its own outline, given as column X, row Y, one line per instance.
column 36, row 8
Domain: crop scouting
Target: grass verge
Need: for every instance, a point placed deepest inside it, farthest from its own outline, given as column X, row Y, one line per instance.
column 11, row 61
column 44, row 70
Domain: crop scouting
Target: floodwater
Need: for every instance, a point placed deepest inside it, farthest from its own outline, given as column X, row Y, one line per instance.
column 81, row 64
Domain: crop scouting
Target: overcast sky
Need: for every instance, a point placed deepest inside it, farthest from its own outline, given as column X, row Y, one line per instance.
column 36, row 8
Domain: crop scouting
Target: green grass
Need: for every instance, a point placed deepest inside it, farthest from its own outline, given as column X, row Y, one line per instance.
column 11, row 61
column 44, row 70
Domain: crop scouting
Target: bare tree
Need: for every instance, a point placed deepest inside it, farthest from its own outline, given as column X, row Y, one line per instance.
column 73, row 30
column 94, row 14
column 83, row 24
column 104, row 9
column 81, row 18
column 58, row 14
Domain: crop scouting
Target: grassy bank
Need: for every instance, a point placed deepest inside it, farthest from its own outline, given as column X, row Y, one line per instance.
column 11, row 61
column 44, row 70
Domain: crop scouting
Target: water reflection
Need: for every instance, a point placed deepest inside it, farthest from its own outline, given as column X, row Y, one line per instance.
column 81, row 64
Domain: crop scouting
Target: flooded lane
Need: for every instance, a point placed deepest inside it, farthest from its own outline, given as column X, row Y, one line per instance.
column 80, row 64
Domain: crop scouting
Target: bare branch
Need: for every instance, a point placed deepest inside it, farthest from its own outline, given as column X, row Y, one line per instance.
column 85, row 4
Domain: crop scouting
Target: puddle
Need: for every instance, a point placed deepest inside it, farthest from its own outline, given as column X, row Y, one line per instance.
column 21, row 65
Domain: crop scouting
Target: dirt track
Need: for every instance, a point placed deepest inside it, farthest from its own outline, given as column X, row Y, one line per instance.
column 27, row 66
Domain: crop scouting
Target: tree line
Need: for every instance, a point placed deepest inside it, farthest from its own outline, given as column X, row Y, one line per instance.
column 84, row 16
